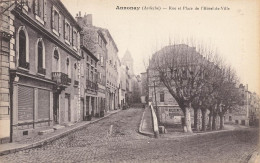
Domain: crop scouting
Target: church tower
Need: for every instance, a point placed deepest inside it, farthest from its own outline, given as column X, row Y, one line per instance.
column 128, row 61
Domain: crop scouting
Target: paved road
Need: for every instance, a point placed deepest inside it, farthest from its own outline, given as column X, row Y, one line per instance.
column 124, row 144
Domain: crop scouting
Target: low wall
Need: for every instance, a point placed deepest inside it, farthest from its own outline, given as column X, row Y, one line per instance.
column 155, row 122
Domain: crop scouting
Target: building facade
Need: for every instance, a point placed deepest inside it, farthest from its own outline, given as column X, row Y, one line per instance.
column 127, row 61
column 112, row 72
column 168, row 111
column 44, row 81
column 7, row 54
column 89, row 84
column 247, row 111
column 93, row 38
column 144, row 87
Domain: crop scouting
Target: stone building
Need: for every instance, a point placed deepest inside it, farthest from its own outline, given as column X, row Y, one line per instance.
column 169, row 111
column 127, row 61
column 112, row 72
column 144, row 88
column 247, row 111
column 89, row 83
column 95, row 42
column 44, row 81
column 7, row 54
column 123, row 81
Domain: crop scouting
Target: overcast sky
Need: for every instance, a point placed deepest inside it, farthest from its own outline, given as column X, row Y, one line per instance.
column 234, row 32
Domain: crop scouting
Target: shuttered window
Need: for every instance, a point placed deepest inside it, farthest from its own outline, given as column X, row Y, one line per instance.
column 43, row 104
column 25, row 103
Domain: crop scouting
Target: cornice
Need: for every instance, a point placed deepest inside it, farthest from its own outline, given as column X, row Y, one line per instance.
column 26, row 74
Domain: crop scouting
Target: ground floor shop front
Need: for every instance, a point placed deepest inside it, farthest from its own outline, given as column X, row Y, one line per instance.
column 38, row 104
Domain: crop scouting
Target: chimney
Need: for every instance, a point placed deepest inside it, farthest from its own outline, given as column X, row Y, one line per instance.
column 88, row 19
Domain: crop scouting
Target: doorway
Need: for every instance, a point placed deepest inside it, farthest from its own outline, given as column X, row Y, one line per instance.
column 56, row 108
column 67, row 108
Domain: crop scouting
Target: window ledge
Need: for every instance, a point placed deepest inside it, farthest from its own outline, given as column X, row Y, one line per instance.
column 21, row 68
column 40, row 74
column 39, row 19
column 55, row 32
column 67, row 42
column 74, row 47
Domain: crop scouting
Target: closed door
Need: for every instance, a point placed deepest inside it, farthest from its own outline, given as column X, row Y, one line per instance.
column 67, row 109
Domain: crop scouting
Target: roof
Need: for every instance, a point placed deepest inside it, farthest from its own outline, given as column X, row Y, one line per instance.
column 111, row 38
column 68, row 14
column 89, row 52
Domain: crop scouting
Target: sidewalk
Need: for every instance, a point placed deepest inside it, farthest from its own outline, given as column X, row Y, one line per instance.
column 146, row 127
column 40, row 140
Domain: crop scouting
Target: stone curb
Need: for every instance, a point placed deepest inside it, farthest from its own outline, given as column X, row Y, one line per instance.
column 203, row 133
column 52, row 138
column 140, row 127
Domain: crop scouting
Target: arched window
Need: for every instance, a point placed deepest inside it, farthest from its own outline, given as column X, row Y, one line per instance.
column 40, row 57
column 68, row 67
column 75, row 71
column 56, row 61
column 22, row 49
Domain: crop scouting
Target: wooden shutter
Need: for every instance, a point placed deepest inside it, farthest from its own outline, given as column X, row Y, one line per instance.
column 45, row 10
column 43, row 104
column 64, row 28
column 60, row 24
column 71, row 29
column 25, row 103
column 52, row 17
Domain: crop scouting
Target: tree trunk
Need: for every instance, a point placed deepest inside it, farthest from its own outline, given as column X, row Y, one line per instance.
column 214, row 121
column 196, row 119
column 221, row 115
column 199, row 120
column 204, row 112
column 210, row 120
column 187, row 120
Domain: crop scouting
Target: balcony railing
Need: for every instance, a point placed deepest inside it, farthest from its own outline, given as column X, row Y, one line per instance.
column 61, row 78
column 91, row 85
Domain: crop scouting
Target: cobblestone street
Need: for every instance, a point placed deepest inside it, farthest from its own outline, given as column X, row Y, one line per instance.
column 96, row 143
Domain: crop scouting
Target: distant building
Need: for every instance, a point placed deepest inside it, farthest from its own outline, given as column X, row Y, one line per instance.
column 123, row 84
column 89, row 84
column 131, row 80
column 247, row 111
column 169, row 111
column 112, row 72
column 144, row 87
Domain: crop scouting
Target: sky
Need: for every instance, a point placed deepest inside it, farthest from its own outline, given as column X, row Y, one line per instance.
column 233, row 33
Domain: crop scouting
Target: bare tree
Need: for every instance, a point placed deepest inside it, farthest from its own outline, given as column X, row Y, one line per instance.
column 184, row 72
column 227, row 96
